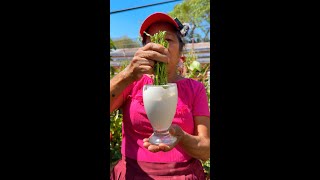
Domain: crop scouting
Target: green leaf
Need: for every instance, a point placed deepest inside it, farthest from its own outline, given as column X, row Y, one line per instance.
column 117, row 114
column 160, row 68
column 195, row 65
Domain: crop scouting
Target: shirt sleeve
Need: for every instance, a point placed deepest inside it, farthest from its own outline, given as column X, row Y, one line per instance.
column 200, row 103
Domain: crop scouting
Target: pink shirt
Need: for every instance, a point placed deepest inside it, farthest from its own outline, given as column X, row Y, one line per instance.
column 192, row 101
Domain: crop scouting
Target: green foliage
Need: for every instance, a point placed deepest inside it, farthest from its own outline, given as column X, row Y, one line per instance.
column 196, row 13
column 112, row 45
column 195, row 66
column 206, row 167
column 114, row 71
column 160, row 69
column 195, row 70
column 115, row 130
column 126, row 42
column 116, row 126
column 124, row 64
column 199, row 73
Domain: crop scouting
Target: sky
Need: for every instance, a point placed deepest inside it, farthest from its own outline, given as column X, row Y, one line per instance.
column 128, row 23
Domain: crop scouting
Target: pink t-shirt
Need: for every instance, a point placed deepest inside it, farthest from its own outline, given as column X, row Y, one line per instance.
column 192, row 101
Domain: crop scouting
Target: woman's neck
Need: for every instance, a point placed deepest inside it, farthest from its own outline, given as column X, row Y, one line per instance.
column 174, row 77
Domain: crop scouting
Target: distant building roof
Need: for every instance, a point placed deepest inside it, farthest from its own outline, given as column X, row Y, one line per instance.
column 202, row 50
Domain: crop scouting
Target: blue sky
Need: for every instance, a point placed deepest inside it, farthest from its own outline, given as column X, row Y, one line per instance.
column 128, row 23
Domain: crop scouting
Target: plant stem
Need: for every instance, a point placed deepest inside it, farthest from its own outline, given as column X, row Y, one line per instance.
column 160, row 70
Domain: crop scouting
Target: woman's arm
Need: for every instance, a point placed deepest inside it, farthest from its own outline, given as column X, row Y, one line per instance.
column 117, row 84
column 142, row 63
column 197, row 146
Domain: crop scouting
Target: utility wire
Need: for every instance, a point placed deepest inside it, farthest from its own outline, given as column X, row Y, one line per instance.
column 138, row 7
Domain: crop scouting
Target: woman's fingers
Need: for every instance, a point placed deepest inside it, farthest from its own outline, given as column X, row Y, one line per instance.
column 146, row 69
column 172, row 130
column 143, row 61
column 142, row 66
column 164, row 147
column 154, row 148
column 152, row 55
column 150, row 147
column 155, row 47
column 175, row 130
column 146, row 144
column 157, row 148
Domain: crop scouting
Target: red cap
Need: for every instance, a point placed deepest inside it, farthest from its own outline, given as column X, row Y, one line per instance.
column 157, row 17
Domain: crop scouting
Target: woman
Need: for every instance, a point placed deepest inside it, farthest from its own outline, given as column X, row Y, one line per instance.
column 191, row 123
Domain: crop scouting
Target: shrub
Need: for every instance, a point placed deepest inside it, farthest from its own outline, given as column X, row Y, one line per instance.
column 116, row 136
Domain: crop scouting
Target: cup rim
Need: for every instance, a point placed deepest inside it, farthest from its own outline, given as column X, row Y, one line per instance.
column 168, row 84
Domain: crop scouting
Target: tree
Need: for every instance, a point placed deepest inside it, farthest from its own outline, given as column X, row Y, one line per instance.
column 126, row 42
column 112, row 46
column 196, row 13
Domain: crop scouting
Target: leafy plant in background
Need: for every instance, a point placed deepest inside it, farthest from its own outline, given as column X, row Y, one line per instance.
column 197, row 14
column 195, row 71
column 206, row 168
column 115, row 135
column 116, row 118
column 112, row 46
column 126, row 42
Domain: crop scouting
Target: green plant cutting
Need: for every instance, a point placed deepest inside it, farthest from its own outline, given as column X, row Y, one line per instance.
column 160, row 68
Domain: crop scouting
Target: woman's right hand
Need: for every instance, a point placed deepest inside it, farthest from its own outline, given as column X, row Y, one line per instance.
column 144, row 60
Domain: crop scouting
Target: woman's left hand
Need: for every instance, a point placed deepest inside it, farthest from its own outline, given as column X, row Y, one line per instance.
column 174, row 130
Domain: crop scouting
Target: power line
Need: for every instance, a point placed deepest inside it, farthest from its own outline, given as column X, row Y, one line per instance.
column 138, row 7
